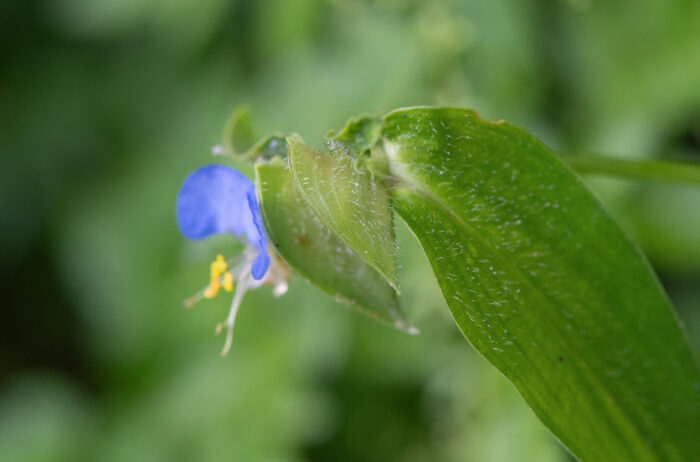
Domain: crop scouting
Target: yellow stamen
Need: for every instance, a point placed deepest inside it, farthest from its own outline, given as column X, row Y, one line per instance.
column 227, row 283
column 212, row 289
column 218, row 266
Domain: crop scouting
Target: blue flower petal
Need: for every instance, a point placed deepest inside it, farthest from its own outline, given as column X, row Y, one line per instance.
column 217, row 199
column 262, row 260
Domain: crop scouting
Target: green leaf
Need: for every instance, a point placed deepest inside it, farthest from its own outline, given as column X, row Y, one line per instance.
column 655, row 170
column 349, row 200
column 317, row 254
column 546, row 286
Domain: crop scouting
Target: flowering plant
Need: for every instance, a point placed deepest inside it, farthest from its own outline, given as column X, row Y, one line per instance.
column 537, row 275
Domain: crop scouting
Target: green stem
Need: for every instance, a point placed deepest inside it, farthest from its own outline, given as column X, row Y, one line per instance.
column 655, row 170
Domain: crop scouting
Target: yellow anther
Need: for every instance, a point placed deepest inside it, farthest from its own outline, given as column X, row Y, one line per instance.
column 218, row 266
column 212, row 289
column 227, row 283
column 220, row 261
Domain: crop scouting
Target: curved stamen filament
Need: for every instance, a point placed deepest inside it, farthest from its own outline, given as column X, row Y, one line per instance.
column 241, row 288
column 224, row 273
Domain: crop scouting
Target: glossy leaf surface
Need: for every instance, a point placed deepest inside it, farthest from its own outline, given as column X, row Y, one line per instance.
column 349, row 200
column 546, row 285
column 313, row 251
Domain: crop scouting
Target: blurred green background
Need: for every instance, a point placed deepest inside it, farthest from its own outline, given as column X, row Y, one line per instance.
column 105, row 106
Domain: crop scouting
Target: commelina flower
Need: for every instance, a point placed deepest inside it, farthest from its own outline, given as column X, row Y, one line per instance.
column 217, row 199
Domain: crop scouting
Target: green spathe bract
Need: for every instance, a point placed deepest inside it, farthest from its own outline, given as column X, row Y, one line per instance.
column 349, row 200
column 316, row 253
